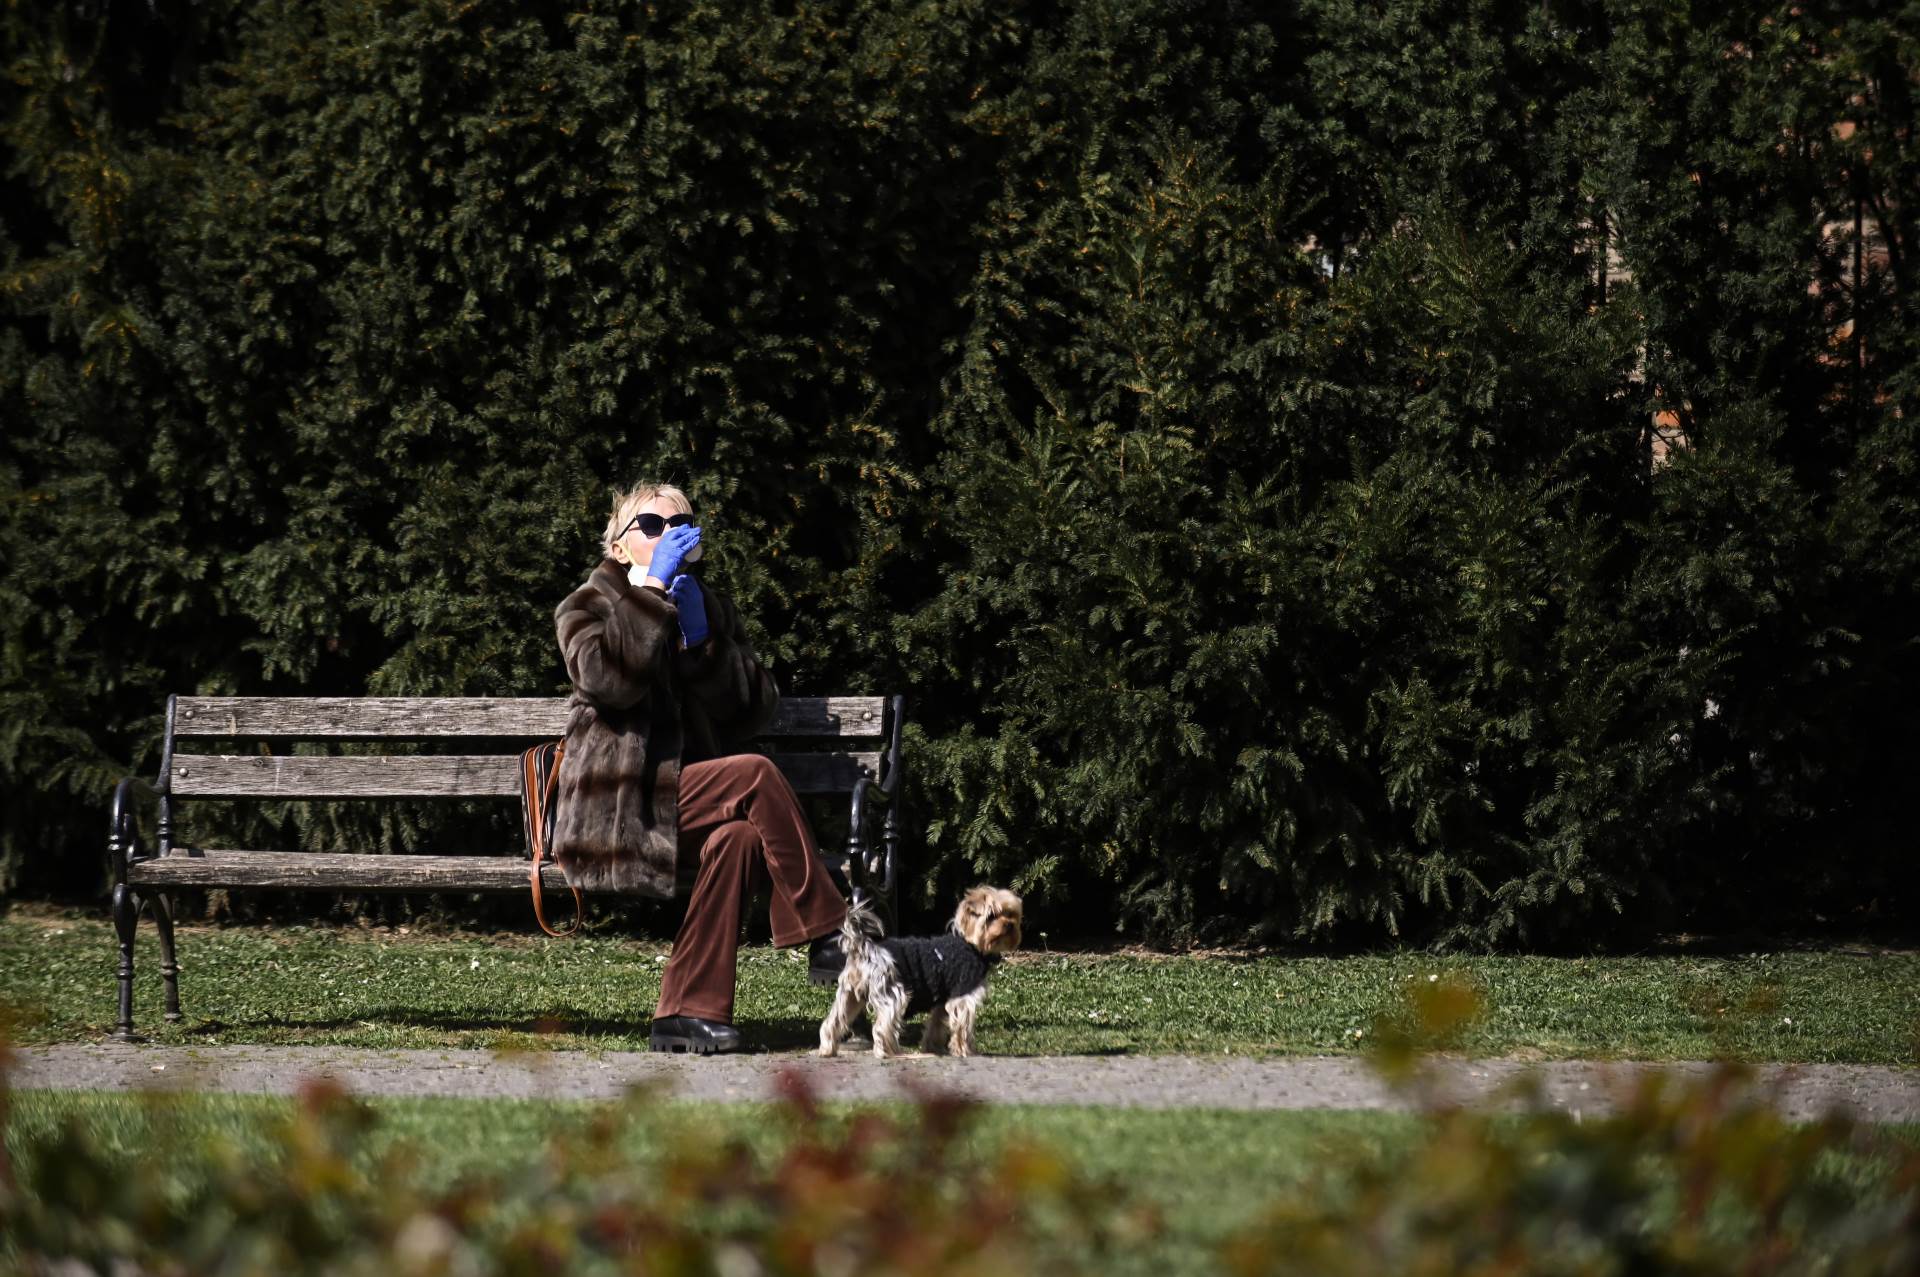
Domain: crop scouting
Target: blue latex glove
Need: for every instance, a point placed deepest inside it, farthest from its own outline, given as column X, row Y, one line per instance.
column 693, row 609
column 671, row 551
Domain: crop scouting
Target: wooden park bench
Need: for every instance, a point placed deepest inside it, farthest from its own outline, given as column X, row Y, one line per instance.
column 840, row 745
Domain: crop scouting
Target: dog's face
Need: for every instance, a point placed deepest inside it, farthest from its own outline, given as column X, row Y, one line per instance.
column 989, row 919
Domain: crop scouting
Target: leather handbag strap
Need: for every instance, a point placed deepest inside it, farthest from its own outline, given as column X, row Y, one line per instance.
column 540, row 805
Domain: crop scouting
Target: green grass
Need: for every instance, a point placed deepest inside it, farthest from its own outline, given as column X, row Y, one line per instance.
column 1211, row 1173
column 378, row 988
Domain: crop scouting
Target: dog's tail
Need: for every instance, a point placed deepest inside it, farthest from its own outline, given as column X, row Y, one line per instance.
column 860, row 934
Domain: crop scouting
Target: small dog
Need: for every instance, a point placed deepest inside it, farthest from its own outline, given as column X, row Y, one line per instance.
column 946, row 976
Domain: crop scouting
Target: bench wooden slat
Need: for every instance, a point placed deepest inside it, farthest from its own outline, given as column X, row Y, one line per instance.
column 829, row 716
column 827, row 773
column 367, row 717
column 336, row 871
column 422, row 717
column 396, row 776
column 436, row 775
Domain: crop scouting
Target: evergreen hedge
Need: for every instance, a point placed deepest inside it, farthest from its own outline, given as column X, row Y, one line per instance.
column 1222, row 418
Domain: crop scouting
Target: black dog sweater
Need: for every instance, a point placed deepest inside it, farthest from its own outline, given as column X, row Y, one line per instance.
column 937, row 969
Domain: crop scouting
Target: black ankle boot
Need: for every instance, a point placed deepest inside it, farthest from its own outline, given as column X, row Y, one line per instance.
column 825, row 959
column 692, row 1035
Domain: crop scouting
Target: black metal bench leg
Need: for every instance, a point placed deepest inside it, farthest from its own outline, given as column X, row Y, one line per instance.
column 126, row 916
column 169, row 968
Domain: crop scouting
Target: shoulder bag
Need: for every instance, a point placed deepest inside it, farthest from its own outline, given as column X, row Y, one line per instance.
column 539, row 777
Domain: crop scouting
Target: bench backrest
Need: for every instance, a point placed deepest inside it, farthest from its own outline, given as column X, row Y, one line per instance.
column 851, row 737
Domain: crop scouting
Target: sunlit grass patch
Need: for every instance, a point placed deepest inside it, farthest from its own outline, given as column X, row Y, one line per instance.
column 376, row 988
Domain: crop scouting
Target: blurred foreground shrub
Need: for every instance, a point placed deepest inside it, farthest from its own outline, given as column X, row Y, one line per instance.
column 866, row 1194
column 1694, row 1176
column 1697, row 1175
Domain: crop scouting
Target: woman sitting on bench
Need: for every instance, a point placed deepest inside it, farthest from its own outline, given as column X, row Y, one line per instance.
column 664, row 680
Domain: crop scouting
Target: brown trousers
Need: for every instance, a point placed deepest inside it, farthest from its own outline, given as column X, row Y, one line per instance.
column 741, row 816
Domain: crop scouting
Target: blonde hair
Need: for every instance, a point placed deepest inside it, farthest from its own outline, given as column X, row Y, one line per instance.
column 627, row 504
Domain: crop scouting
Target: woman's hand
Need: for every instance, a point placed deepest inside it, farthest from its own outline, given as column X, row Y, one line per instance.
column 672, row 550
column 692, row 603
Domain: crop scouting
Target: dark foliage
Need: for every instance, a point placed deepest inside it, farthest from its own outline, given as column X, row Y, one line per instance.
column 1232, row 423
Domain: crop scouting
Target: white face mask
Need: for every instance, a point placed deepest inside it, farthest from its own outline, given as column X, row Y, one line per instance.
column 636, row 574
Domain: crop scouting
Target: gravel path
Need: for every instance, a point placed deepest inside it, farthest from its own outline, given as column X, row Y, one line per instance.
column 1872, row 1092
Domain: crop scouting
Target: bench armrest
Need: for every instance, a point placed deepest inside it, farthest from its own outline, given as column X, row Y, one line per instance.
column 123, row 830
column 866, row 847
column 868, row 851
column 866, row 795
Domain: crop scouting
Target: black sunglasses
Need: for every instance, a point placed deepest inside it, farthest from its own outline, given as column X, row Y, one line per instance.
column 652, row 525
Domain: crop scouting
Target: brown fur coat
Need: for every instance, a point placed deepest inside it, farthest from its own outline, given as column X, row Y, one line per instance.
column 640, row 708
